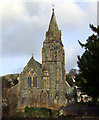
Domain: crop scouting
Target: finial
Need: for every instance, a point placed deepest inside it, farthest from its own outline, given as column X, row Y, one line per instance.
column 32, row 55
column 53, row 7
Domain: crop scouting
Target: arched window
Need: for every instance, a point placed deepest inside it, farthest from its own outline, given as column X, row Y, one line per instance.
column 32, row 78
column 29, row 81
column 34, row 81
column 51, row 53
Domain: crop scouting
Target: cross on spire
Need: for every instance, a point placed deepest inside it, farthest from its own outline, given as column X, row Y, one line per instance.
column 32, row 55
column 53, row 7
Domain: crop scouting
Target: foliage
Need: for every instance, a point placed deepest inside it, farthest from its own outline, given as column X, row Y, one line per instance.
column 69, row 79
column 15, row 81
column 70, row 76
column 88, row 63
column 26, row 109
column 14, row 78
column 36, row 111
column 7, row 79
column 5, row 109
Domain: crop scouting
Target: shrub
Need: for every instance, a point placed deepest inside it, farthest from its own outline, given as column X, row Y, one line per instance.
column 26, row 109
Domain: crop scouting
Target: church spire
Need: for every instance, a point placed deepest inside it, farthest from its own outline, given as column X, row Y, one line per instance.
column 53, row 24
column 53, row 34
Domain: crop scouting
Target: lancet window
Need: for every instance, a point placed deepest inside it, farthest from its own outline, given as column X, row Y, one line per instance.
column 29, row 81
column 34, row 81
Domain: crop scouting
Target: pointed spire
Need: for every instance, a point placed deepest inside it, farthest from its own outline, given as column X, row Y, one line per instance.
column 53, row 24
column 53, row 34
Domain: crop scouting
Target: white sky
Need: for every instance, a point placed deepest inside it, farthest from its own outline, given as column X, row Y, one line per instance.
column 24, row 25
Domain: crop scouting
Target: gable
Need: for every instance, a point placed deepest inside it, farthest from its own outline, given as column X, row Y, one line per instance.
column 32, row 69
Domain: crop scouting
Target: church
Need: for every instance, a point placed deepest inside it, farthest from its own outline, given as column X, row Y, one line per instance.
column 44, row 84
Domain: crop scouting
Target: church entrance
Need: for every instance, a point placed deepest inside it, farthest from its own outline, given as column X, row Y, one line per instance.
column 44, row 97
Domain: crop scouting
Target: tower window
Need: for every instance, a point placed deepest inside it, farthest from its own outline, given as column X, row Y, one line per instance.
column 34, row 81
column 51, row 54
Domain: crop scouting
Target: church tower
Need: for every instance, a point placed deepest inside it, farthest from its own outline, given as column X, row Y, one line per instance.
column 53, row 63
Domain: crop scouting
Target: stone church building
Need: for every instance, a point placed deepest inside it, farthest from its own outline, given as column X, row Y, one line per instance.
column 44, row 84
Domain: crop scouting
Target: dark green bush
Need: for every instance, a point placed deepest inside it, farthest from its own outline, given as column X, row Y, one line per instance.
column 36, row 111
column 26, row 109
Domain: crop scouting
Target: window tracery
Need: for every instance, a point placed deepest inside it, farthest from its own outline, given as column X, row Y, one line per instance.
column 32, row 78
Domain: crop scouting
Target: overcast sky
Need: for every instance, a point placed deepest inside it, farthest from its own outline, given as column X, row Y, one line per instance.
column 24, row 25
